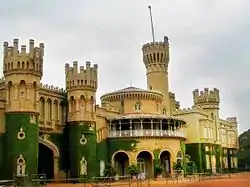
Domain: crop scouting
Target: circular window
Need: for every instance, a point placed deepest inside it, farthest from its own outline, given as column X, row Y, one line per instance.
column 21, row 134
column 83, row 140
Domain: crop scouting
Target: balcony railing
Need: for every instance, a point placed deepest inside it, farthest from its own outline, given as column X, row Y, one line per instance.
column 140, row 133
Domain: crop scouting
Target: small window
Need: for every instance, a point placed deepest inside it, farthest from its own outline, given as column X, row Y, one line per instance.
column 150, row 87
column 164, row 111
column 157, row 107
column 137, row 106
column 212, row 115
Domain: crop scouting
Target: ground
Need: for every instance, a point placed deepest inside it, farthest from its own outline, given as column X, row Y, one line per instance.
column 236, row 180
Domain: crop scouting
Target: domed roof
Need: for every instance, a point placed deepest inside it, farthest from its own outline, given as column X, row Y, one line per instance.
column 131, row 89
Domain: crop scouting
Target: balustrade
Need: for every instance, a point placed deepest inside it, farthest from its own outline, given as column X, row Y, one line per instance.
column 149, row 132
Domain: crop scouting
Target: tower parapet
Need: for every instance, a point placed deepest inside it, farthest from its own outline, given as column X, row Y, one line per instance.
column 232, row 120
column 87, row 78
column 16, row 62
column 206, row 99
column 156, row 53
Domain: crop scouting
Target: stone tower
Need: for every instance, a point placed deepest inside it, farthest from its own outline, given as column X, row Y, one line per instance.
column 81, row 95
column 156, row 59
column 209, row 100
column 23, row 71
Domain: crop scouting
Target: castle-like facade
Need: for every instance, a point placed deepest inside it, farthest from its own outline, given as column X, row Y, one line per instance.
column 44, row 129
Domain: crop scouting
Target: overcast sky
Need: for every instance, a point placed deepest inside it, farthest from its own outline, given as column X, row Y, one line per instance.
column 209, row 42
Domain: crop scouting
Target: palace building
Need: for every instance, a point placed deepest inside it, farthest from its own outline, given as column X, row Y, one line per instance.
column 63, row 133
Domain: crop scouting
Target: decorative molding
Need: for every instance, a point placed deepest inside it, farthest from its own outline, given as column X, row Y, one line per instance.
column 21, row 134
column 83, row 140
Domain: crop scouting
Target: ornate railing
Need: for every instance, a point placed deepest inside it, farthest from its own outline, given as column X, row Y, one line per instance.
column 132, row 133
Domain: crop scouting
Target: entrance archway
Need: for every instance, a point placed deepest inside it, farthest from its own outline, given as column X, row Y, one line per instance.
column 48, row 158
column 121, row 161
column 165, row 157
column 45, row 161
column 145, row 163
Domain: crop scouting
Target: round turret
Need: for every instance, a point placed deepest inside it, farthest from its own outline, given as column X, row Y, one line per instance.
column 206, row 99
column 23, row 71
column 16, row 62
column 81, row 91
column 156, row 59
column 156, row 55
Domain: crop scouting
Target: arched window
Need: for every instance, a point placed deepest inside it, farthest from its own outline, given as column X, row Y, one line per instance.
column 164, row 111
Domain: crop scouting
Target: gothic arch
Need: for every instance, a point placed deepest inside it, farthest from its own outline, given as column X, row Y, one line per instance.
column 50, row 145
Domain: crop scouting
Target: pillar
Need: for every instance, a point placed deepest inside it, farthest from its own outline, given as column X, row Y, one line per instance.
column 56, row 167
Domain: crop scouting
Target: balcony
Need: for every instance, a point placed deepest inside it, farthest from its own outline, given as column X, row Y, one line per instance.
column 149, row 132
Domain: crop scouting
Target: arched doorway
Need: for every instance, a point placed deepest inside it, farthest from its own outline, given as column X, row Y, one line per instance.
column 48, row 158
column 121, row 161
column 145, row 163
column 165, row 162
column 45, row 161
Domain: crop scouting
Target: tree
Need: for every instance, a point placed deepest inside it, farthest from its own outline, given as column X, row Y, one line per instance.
column 244, row 150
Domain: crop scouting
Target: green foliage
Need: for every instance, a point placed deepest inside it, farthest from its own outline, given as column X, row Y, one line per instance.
column 28, row 147
column 133, row 169
column 109, row 171
column 244, row 149
column 191, row 167
column 158, row 170
column 2, row 156
column 114, row 145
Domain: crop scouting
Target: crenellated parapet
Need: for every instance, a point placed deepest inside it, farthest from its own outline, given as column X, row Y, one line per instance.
column 232, row 120
column 156, row 55
column 24, row 62
column 206, row 98
column 190, row 110
column 53, row 88
column 86, row 78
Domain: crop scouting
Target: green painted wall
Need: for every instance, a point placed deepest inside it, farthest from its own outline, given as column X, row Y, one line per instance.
column 28, row 147
column 77, row 151
column 2, row 156
column 114, row 145
column 197, row 155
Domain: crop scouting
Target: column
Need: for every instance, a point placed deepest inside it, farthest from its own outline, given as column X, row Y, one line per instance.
column 161, row 127
column 120, row 128
column 56, row 167
column 141, row 127
column 45, row 112
column 130, row 127
column 110, row 129
column 152, row 127
column 169, row 129
column 59, row 112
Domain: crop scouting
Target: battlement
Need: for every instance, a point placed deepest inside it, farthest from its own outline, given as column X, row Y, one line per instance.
column 23, row 61
column 53, row 88
column 210, row 98
column 189, row 111
column 86, row 78
column 232, row 120
column 156, row 53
